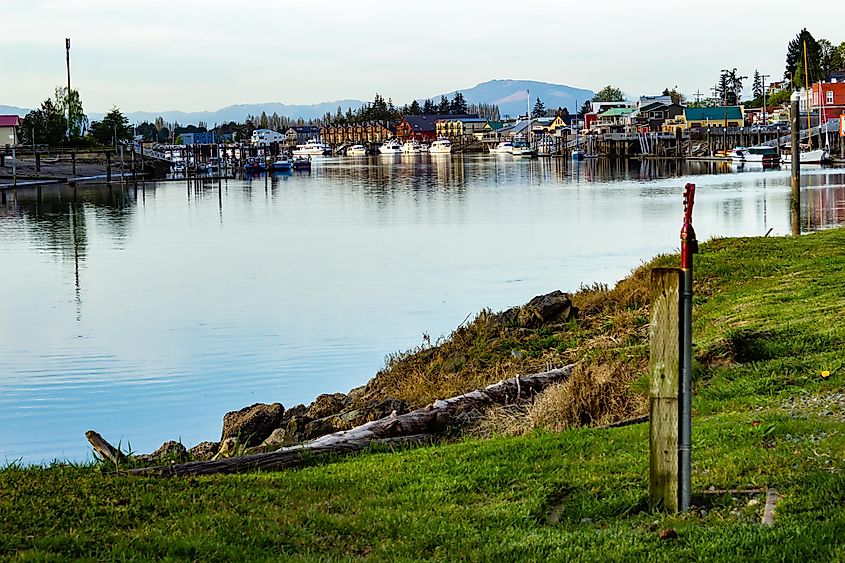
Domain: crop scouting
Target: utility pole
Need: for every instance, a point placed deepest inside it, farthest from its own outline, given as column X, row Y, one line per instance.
column 765, row 119
column 67, row 59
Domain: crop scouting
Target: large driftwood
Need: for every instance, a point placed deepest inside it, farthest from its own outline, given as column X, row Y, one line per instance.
column 410, row 427
column 103, row 448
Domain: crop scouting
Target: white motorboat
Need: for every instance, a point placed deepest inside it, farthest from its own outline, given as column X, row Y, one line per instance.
column 441, row 146
column 423, row 148
column 767, row 156
column 312, row 148
column 523, row 149
column 504, row 147
column 390, row 147
column 411, row 147
column 356, row 150
column 817, row 156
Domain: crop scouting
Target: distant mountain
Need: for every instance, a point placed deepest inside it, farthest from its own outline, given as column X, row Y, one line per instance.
column 13, row 110
column 510, row 95
column 240, row 112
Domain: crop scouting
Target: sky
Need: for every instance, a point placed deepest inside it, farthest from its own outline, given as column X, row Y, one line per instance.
column 158, row 55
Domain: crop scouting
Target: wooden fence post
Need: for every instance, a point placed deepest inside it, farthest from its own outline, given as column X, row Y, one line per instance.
column 664, row 367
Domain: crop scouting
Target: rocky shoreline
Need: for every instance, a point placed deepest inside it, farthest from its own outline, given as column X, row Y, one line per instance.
column 264, row 427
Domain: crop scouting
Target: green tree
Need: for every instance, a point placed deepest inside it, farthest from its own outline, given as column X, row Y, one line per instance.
column 428, row 108
column 795, row 56
column 458, row 106
column 677, row 97
column 414, row 108
column 78, row 120
column 443, row 107
column 757, row 85
column 112, row 129
column 46, row 125
column 609, row 94
column 539, row 109
column 586, row 108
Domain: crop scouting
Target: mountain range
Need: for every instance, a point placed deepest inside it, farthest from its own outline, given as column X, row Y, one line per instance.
column 509, row 95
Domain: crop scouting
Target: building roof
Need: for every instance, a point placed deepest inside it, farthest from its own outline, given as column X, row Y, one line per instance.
column 615, row 112
column 713, row 114
column 9, row 121
column 425, row 123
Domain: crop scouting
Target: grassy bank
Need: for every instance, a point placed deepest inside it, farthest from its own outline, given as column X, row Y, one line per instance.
column 769, row 400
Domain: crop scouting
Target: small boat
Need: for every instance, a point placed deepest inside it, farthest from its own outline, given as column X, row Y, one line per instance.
column 282, row 163
column 504, row 147
column 312, row 148
column 523, row 150
column 814, row 157
column 411, row 147
column 577, row 154
column 302, row 163
column 179, row 167
column 440, row 146
column 390, row 147
column 424, row 148
column 254, row 165
column 767, row 156
column 356, row 150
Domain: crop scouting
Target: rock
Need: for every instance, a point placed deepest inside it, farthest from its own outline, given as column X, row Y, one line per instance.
column 668, row 534
column 168, row 451
column 276, row 438
column 295, row 430
column 204, row 450
column 753, row 502
column 296, row 410
column 228, row 448
column 252, row 424
column 543, row 309
column 327, row 405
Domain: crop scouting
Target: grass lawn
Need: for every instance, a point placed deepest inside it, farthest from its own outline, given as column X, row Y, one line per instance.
column 768, row 325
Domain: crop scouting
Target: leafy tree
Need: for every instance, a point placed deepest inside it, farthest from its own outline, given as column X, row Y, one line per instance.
column 443, row 107
column 539, row 109
column 729, row 87
column 830, row 57
column 609, row 94
column 112, row 129
column 795, row 56
column 163, row 135
column 677, row 97
column 46, row 125
column 159, row 123
column 78, row 120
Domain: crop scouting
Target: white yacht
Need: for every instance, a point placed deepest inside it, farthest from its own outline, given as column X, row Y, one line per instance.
column 411, row 147
column 440, row 146
column 767, row 156
column 504, row 147
column 390, row 147
column 312, row 147
column 356, row 150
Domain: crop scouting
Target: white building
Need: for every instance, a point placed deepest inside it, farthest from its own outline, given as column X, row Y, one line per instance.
column 263, row 137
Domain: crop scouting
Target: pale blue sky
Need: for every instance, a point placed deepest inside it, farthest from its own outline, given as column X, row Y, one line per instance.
column 189, row 55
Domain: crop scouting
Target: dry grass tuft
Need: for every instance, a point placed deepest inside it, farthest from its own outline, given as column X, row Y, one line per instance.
column 595, row 394
column 502, row 420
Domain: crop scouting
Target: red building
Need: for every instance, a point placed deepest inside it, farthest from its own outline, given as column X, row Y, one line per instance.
column 830, row 96
column 423, row 127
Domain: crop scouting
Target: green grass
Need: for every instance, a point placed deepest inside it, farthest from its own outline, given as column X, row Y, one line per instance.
column 767, row 322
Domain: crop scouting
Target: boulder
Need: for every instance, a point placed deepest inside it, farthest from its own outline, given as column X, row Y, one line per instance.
column 168, row 451
column 251, row 425
column 276, row 438
column 554, row 307
column 327, row 405
column 204, row 450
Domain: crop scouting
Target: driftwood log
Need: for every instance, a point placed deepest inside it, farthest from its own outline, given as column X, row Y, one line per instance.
column 413, row 427
column 104, row 449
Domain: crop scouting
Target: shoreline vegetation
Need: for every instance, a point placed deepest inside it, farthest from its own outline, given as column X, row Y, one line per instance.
column 528, row 480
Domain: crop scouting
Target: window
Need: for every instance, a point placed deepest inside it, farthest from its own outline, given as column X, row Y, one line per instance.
column 829, row 97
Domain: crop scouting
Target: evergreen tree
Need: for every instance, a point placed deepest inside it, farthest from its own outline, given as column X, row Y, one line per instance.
column 458, row 106
column 795, row 55
column 586, row 108
column 112, row 129
column 757, row 85
column 428, row 108
column 414, row 108
column 539, row 109
column 262, row 121
column 443, row 107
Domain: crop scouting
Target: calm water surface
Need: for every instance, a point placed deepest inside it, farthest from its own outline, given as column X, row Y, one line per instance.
column 147, row 314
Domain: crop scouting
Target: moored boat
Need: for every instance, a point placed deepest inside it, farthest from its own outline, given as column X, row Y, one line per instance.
column 767, row 156
column 390, row 147
column 411, row 147
column 302, row 163
column 356, row 150
column 504, row 147
column 440, row 146
column 312, row 148
column 282, row 163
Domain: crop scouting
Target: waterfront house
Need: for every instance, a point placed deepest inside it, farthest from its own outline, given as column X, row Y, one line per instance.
column 829, row 97
column 423, row 127
column 9, row 125
column 264, row 137
column 301, row 134
column 652, row 114
column 613, row 120
column 724, row 116
column 458, row 127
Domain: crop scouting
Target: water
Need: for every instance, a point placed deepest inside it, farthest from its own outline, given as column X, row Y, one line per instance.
column 147, row 314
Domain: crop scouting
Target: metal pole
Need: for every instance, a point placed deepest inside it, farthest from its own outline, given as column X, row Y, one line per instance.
column 795, row 199
column 14, row 168
column 67, row 58
column 689, row 246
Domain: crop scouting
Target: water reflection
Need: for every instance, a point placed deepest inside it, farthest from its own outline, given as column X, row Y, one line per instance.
column 148, row 311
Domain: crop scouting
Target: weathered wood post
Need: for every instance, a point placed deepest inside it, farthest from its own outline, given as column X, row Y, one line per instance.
column 73, row 162
column 108, row 166
column 37, row 161
column 664, row 367
column 795, row 199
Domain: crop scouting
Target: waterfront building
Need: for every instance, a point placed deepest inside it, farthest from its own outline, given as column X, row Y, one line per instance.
column 264, row 137
column 829, row 97
column 724, row 116
column 355, row 133
column 424, row 127
column 301, row 134
column 458, row 127
column 613, row 120
column 9, row 125
column 199, row 138
column 653, row 112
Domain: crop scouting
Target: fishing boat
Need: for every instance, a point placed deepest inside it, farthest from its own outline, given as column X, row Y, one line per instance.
column 390, row 147
column 312, row 148
column 441, row 146
column 522, row 149
column 356, row 150
column 504, row 147
column 816, row 156
column 302, row 163
column 281, row 164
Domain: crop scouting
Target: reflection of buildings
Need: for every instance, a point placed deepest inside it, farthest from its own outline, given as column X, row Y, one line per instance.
column 825, row 208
